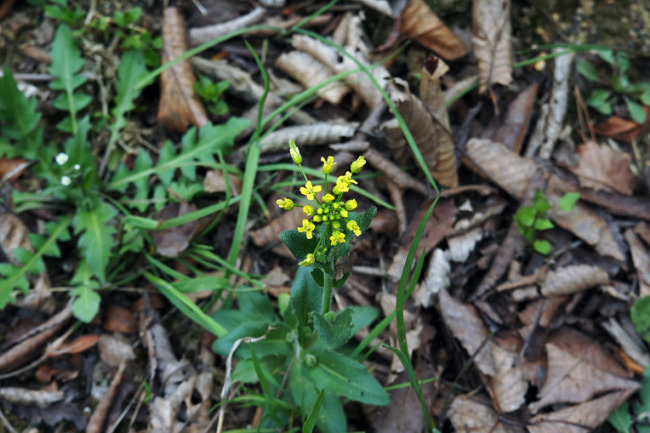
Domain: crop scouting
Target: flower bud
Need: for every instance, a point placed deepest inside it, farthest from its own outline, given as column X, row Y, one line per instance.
column 294, row 152
column 351, row 204
column 355, row 167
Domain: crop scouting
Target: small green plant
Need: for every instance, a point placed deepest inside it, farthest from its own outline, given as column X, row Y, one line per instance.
column 211, row 93
column 533, row 219
column 635, row 414
column 305, row 344
column 618, row 86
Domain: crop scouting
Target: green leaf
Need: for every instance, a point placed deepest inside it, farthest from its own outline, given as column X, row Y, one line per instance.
column 620, row 419
column 66, row 63
column 543, row 224
column 345, row 377
column 607, row 55
column 599, row 101
column 540, row 203
column 640, row 315
column 306, row 296
column 298, row 243
column 637, row 113
column 645, row 97
column 568, row 201
column 587, row 70
column 96, row 236
column 542, row 246
column 336, row 332
column 310, row 423
column 18, row 119
column 86, row 305
column 123, row 19
column 526, row 216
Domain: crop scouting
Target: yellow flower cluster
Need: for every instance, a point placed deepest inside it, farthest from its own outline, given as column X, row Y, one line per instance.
column 330, row 210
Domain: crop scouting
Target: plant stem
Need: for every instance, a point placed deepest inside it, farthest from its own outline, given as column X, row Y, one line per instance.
column 327, row 293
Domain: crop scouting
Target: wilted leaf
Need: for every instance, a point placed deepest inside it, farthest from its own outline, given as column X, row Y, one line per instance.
column 79, row 345
column 472, row 414
column 623, row 129
column 602, row 168
column 179, row 105
column 419, row 23
column 172, row 241
column 508, row 387
column 492, row 44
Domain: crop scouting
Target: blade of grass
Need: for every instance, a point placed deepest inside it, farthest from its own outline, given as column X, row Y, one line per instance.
column 310, row 423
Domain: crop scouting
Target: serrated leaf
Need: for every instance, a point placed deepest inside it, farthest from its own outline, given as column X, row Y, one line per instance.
column 96, row 236
column 335, row 333
column 20, row 118
column 167, row 154
column 66, row 63
column 298, row 243
column 86, row 305
column 132, row 69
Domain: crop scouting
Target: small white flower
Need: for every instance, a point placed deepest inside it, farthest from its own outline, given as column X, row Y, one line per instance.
column 76, row 166
column 65, row 180
column 61, row 158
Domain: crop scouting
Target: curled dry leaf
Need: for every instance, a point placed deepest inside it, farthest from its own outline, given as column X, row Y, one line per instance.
column 30, row 397
column 269, row 234
column 393, row 172
column 98, row 418
column 602, row 168
column 396, row 142
column 435, row 103
column 623, row 129
column 179, row 105
column 504, row 167
column 641, row 259
column 629, row 341
column 309, row 72
column 418, row 22
column 508, row 386
column 307, row 135
column 572, row 279
column 208, row 33
column 79, row 345
column 492, row 42
column 467, row 326
column 582, row 417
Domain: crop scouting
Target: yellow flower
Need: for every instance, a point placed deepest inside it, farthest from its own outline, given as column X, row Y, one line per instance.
column 285, row 203
column 342, row 185
column 354, row 227
column 309, row 190
column 328, row 164
column 309, row 260
column 328, row 198
column 309, row 210
column 355, row 167
column 348, row 178
column 351, row 204
column 307, row 228
column 337, row 237
column 295, row 153
column 343, row 213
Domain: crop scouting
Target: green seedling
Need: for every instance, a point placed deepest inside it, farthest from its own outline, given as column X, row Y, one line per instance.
column 617, row 86
column 211, row 93
column 533, row 219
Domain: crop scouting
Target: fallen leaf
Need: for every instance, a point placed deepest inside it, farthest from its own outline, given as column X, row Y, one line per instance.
column 467, row 326
column 578, row 369
column 115, row 349
column 641, row 259
column 473, row 414
column 572, row 279
column 98, row 418
column 11, row 168
column 492, row 42
column 582, row 417
column 216, row 182
column 269, row 234
column 79, row 345
column 179, row 105
column 119, row 319
column 508, row 386
column 171, row 242
column 418, row 22
column 623, row 129
column 602, row 168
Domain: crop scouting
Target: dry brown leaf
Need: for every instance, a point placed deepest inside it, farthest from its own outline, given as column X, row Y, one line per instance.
column 583, row 221
column 472, row 414
column 307, row 135
column 179, row 105
column 208, row 33
column 633, row 347
column 11, row 168
column 508, row 387
column 492, row 42
column 98, row 418
column 115, row 349
column 578, row 369
column 170, row 242
column 643, row 230
column 504, row 167
column 309, row 72
column 582, row 417
column 30, row 397
column 641, row 259
column 435, row 103
column 269, row 234
column 396, row 142
column 467, row 326
column 119, row 319
column 602, row 168
column 572, row 279
column 395, row 173
column 215, row 182
column 418, row 22
column 512, row 128
column 623, row 129
column 79, row 345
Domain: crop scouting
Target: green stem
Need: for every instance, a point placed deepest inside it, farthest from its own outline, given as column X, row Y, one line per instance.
column 327, row 293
